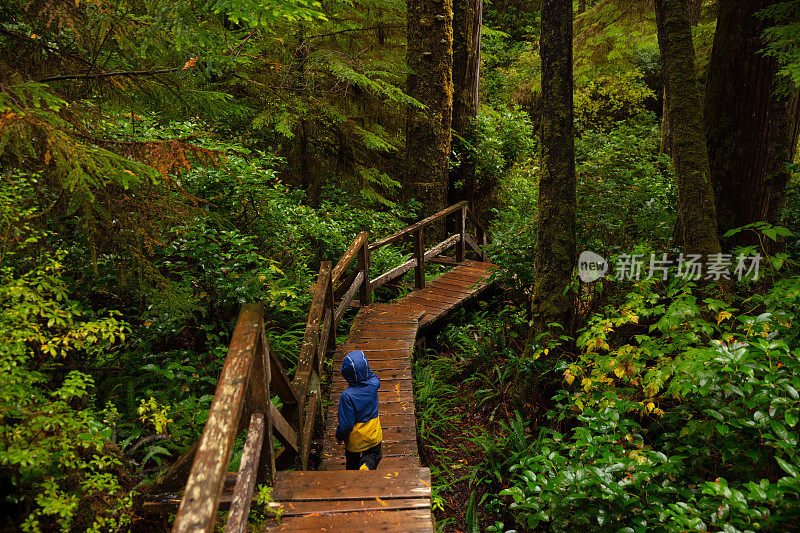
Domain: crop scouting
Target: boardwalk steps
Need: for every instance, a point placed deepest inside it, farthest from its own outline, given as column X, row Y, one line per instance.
column 396, row 496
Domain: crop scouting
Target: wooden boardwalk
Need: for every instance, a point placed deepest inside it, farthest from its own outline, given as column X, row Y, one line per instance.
column 396, row 496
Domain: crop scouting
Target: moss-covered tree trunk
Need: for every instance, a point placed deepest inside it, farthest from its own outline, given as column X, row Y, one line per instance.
column 430, row 59
column 695, row 8
column 467, row 19
column 555, row 250
column 751, row 130
column 698, row 225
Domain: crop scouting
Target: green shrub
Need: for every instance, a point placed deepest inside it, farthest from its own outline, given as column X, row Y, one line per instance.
column 626, row 192
column 56, row 448
column 688, row 421
column 608, row 99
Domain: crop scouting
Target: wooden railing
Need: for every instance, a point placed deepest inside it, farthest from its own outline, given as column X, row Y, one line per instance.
column 460, row 238
column 252, row 373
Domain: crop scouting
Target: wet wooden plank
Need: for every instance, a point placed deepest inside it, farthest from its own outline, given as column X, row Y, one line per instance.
column 378, row 344
column 441, row 296
column 387, row 375
column 352, row 485
column 385, row 334
column 443, row 288
column 374, row 354
column 392, row 408
column 384, row 397
column 386, row 384
column 390, row 449
column 463, row 276
column 416, row 520
column 297, row 508
column 466, row 268
column 395, row 434
column 395, row 461
column 455, row 284
column 433, row 299
column 388, row 421
column 381, row 364
column 385, row 320
column 432, row 305
column 393, row 329
column 481, row 264
column 400, row 448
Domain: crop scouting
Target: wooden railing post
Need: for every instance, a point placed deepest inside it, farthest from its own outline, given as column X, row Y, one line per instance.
column 266, row 466
column 327, row 336
column 461, row 228
column 419, row 255
column 363, row 265
column 481, row 242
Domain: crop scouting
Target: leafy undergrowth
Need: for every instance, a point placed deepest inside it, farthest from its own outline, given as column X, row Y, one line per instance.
column 678, row 410
column 463, row 389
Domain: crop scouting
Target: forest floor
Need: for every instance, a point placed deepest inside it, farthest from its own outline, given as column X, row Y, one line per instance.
column 462, row 417
column 452, row 455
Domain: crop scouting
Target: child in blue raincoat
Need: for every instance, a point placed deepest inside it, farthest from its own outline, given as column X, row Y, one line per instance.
column 359, row 426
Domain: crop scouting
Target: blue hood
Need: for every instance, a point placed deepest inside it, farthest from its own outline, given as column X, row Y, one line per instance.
column 355, row 368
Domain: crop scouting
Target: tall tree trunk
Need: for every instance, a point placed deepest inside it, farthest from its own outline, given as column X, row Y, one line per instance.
column 751, row 131
column 689, row 155
column 695, row 8
column 467, row 19
column 555, row 251
column 429, row 55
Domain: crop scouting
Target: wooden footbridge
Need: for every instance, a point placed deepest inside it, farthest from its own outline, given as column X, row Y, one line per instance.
column 395, row 496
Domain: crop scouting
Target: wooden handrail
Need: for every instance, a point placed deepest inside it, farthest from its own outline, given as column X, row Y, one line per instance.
column 414, row 227
column 306, row 362
column 251, row 371
column 198, row 508
column 461, row 240
column 349, row 255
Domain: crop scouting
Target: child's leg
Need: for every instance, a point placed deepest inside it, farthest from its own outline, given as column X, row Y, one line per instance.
column 372, row 457
column 352, row 460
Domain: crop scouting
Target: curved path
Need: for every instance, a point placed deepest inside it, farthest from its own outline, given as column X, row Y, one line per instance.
column 396, row 496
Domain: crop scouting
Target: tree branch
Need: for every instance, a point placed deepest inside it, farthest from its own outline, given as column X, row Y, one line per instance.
column 130, row 73
column 385, row 27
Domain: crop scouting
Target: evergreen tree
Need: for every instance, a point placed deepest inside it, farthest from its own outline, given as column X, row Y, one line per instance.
column 555, row 251
column 751, row 127
column 697, row 217
column 429, row 56
column 467, row 20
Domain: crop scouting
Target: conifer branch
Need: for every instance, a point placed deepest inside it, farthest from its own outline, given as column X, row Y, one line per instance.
column 130, row 73
column 385, row 27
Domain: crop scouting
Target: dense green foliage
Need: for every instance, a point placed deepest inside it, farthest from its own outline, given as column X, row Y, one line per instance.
column 161, row 164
